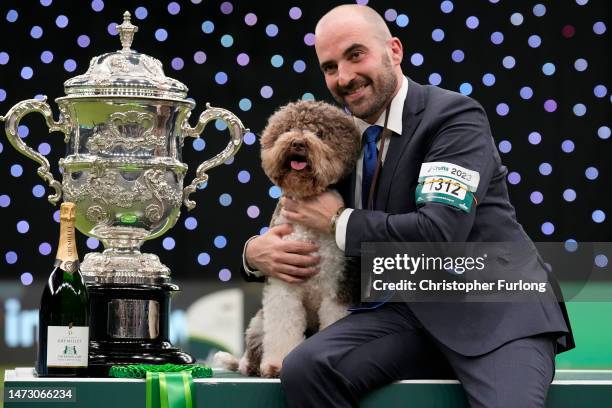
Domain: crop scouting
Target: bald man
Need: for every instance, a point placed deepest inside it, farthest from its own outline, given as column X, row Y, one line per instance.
column 503, row 353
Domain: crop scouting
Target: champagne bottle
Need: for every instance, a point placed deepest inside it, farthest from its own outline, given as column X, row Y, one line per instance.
column 63, row 330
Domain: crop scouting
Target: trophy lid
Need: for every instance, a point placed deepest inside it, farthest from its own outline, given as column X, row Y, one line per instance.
column 125, row 73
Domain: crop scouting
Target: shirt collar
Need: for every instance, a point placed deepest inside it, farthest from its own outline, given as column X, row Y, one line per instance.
column 395, row 113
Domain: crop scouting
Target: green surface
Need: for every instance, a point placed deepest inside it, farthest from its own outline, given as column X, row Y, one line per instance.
column 419, row 395
column 592, row 326
column 571, row 389
column 575, row 396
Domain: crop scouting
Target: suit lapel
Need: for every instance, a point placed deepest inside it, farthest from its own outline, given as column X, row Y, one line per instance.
column 346, row 188
column 352, row 190
column 411, row 117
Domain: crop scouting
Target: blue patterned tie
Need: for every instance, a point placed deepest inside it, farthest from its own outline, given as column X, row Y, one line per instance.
column 370, row 157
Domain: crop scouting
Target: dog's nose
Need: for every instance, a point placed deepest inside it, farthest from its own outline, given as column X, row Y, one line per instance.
column 298, row 145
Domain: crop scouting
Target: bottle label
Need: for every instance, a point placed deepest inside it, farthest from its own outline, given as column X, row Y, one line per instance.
column 67, row 346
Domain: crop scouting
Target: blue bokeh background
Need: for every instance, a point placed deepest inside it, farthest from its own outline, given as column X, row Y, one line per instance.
column 540, row 68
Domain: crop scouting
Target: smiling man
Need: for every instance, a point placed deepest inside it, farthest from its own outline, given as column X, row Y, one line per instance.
column 503, row 353
column 360, row 75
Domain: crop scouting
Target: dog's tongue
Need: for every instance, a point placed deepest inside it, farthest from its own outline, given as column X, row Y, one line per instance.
column 298, row 165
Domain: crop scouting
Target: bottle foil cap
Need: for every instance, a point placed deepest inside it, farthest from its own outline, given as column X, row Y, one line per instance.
column 68, row 211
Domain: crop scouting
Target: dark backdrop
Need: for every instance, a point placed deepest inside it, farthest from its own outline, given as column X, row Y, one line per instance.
column 539, row 68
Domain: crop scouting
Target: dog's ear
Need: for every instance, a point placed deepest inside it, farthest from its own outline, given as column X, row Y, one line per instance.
column 278, row 123
column 264, row 142
column 269, row 134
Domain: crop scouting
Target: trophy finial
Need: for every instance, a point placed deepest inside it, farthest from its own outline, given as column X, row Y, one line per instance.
column 126, row 31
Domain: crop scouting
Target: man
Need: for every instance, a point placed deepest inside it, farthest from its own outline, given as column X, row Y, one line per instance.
column 503, row 353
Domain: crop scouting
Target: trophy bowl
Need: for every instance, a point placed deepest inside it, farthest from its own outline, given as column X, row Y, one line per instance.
column 125, row 123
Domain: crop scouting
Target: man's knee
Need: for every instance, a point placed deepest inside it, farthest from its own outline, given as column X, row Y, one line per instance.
column 516, row 375
column 300, row 365
column 290, row 368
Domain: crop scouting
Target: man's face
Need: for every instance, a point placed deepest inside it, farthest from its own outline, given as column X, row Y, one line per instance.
column 357, row 68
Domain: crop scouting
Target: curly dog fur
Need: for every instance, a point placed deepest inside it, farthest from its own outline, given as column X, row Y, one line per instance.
column 306, row 147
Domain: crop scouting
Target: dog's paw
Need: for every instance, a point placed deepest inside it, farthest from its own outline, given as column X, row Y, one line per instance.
column 270, row 370
column 225, row 360
column 244, row 367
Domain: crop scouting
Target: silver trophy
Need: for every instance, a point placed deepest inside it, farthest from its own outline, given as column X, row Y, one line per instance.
column 125, row 124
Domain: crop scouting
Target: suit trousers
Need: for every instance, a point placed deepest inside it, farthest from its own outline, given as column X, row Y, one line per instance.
column 368, row 349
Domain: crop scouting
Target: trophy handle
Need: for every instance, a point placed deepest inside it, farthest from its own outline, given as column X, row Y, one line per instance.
column 12, row 119
column 236, row 130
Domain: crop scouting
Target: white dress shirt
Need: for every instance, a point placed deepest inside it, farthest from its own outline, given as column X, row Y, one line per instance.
column 394, row 124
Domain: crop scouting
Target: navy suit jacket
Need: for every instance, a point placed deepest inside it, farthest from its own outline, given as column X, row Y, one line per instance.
column 444, row 126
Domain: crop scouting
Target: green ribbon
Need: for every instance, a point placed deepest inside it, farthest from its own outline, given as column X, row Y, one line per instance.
column 168, row 385
column 169, row 390
column 140, row 370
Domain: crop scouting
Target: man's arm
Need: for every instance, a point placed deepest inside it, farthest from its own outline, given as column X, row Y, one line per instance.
column 463, row 139
column 290, row 261
column 248, row 273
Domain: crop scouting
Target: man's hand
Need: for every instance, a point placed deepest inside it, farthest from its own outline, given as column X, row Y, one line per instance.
column 315, row 212
column 290, row 261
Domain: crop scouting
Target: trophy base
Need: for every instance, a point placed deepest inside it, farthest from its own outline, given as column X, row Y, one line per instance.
column 129, row 324
column 104, row 355
column 124, row 267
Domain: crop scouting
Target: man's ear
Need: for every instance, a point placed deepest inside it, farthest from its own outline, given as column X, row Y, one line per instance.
column 396, row 50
